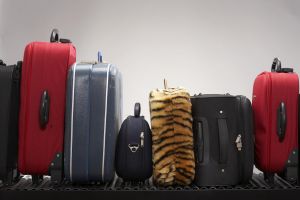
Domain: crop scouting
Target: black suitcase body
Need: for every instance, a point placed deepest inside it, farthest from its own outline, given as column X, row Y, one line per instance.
column 9, row 112
column 134, row 148
column 224, row 140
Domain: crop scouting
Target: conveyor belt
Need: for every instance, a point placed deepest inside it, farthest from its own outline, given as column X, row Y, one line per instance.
column 256, row 189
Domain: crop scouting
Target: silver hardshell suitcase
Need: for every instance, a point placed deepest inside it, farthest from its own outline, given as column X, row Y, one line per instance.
column 93, row 118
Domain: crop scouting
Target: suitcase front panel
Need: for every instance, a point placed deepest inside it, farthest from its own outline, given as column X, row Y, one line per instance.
column 285, row 89
column 216, row 128
column 45, row 69
column 6, row 87
column 270, row 90
column 93, row 103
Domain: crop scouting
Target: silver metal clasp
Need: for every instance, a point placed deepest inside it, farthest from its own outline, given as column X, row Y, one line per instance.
column 133, row 147
column 238, row 142
column 142, row 136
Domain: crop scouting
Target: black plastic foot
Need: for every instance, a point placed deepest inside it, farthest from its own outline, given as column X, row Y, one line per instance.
column 269, row 178
column 36, row 179
column 56, row 169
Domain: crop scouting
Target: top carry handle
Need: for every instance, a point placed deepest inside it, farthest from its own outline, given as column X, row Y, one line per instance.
column 54, row 37
column 2, row 63
column 276, row 67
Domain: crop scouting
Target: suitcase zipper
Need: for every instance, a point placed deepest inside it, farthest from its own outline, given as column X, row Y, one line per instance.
column 270, row 123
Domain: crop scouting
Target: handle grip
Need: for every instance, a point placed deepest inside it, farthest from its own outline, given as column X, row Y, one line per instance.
column 44, row 109
column 2, row 63
column 281, row 121
column 276, row 65
column 54, row 37
column 200, row 142
column 137, row 109
column 223, row 140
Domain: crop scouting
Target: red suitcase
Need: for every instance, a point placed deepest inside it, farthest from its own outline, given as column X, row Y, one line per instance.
column 275, row 109
column 42, row 108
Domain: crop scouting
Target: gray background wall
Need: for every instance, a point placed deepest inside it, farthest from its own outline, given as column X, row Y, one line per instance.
column 213, row 46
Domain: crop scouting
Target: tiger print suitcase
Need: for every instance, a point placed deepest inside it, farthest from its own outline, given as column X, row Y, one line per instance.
column 172, row 136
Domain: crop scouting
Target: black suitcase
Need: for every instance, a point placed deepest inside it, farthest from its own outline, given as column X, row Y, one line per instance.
column 134, row 148
column 223, row 135
column 9, row 111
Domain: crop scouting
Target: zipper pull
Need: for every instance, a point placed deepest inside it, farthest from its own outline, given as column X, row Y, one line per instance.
column 142, row 139
column 238, row 142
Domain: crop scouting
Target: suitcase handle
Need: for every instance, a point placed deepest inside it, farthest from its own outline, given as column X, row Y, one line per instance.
column 200, row 141
column 2, row 63
column 44, row 109
column 54, row 37
column 137, row 109
column 276, row 67
column 100, row 57
column 281, row 121
column 223, row 140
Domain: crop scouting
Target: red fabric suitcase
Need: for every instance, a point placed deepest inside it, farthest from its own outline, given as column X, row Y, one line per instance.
column 42, row 108
column 275, row 109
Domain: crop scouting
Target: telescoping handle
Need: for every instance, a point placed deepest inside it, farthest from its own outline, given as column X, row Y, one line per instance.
column 54, row 37
column 100, row 57
column 276, row 67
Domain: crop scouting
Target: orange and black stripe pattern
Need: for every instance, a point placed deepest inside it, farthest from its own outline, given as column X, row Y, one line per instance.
column 172, row 136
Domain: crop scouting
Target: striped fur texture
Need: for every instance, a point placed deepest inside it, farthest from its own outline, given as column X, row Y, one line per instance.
column 172, row 136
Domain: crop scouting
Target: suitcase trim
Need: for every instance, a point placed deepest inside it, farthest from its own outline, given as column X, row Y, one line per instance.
column 105, row 117
column 72, row 120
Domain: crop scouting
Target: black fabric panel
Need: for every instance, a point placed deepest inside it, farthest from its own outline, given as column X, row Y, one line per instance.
column 247, row 138
column 134, row 166
column 9, row 110
column 212, row 108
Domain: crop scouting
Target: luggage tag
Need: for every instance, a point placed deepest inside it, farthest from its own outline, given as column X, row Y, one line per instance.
column 100, row 60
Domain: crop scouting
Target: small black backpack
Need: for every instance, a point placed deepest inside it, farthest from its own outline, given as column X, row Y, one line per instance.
column 134, row 148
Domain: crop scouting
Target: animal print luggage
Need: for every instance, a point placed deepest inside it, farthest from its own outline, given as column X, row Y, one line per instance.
column 172, row 137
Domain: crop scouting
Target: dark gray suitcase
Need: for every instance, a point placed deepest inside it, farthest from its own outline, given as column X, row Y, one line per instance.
column 93, row 118
column 224, row 140
column 9, row 112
